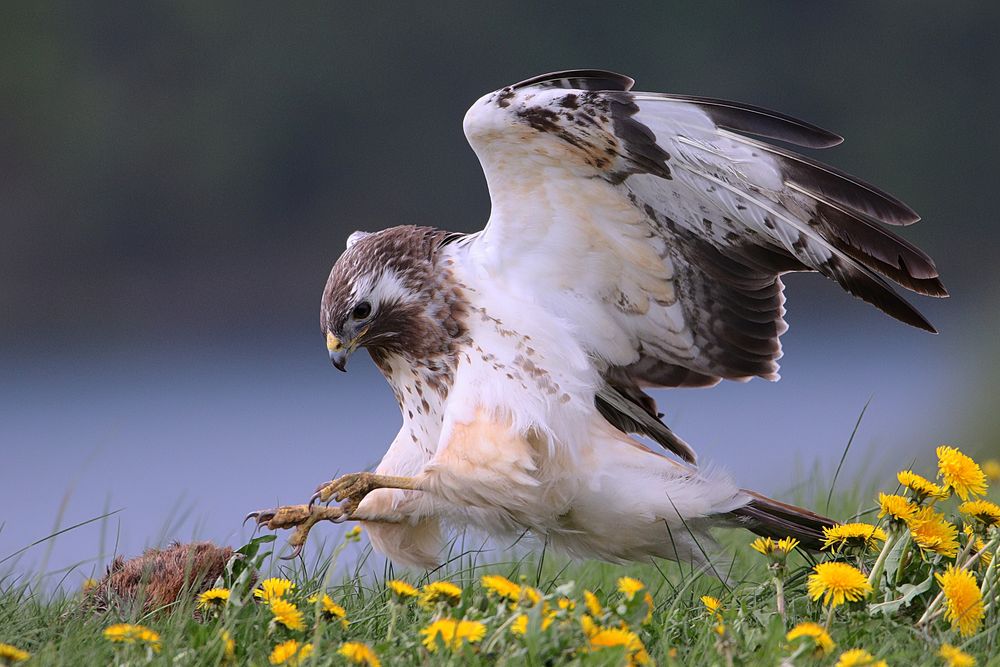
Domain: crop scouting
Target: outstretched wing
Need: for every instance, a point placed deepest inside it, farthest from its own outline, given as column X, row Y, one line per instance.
column 660, row 230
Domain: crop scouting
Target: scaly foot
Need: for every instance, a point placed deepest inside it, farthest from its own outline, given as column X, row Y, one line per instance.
column 351, row 489
column 300, row 517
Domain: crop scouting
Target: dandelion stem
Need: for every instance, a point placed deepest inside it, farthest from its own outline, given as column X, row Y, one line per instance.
column 879, row 566
column 991, row 569
column 829, row 616
column 965, row 552
column 488, row 646
column 931, row 608
column 393, row 611
column 779, row 594
column 976, row 556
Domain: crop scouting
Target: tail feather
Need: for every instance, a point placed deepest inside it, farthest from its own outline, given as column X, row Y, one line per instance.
column 771, row 518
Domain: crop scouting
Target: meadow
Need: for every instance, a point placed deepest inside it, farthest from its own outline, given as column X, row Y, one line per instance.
column 911, row 578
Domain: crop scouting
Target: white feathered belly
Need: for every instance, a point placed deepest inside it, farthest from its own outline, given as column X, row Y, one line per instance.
column 517, row 443
column 612, row 499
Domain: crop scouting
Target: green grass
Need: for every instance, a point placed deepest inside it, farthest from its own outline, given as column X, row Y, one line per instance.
column 56, row 630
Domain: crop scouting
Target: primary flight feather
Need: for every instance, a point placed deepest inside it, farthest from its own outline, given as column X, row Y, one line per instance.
column 636, row 240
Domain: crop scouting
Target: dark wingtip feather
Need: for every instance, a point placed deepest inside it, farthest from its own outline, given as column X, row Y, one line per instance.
column 831, row 185
column 580, row 79
column 771, row 518
column 630, row 417
column 867, row 286
column 878, row 249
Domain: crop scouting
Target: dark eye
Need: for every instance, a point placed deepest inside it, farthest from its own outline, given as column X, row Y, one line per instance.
column 362, row 310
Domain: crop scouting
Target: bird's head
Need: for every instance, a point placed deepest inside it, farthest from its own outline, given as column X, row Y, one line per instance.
column 378, row 292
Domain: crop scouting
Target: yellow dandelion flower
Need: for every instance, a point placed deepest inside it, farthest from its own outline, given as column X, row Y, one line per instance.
column 711, row 604
column 837, row 583
column 452, row 633
column 89, row 584
column 963, row 602
column 852, row 535
column 786, row 545
column 11, row 654
column 520, row 625
column 629, row 586
column 290, row 653
column 764, row 545
column 650, row 605
column 594, row 607
column 401, row 589
column 897, row 508
column 982, row 510
column 440, row 591
column 932, row 532
column 502, row 587
column 273, row 588
column 566, row 604
column 588, row 626
column 287, row 614
column 816, row 633
column 991, row 468
column 921, row 486
column 359, row 653
column 213, row 598
column 858, row 657
column 611, row 637
column 229, row 646
column 530, row 596
column 353, row 535
column 330, row 610
column 779, row 548
column 955, row 657
column 960, row 473
column 128, row 633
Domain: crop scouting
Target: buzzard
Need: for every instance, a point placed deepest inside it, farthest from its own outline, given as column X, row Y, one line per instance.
column 636, row 240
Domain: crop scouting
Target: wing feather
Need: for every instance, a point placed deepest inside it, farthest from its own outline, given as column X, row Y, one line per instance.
column 679, row 226
column 829, row 184
column 627, row 415
column 756, row 120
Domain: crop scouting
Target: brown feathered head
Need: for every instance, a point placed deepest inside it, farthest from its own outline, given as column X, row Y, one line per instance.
column 381, row 294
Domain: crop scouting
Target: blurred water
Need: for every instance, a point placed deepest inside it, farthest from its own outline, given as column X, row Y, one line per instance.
column 187, row 438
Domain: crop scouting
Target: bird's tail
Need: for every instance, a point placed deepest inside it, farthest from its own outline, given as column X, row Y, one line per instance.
column 770, row 518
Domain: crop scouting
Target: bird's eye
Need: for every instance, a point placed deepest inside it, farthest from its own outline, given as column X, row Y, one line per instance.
column 362, row 310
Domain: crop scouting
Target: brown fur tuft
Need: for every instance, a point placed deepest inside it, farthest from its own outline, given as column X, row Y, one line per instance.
column 159, row 577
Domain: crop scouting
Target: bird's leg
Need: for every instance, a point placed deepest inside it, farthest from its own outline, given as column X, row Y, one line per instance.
column 303, row 517
column 351, row 489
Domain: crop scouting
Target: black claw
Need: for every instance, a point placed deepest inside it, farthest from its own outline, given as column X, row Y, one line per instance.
column 316, row 496
column 345, row 514
column 295, row 553
column 260, row 516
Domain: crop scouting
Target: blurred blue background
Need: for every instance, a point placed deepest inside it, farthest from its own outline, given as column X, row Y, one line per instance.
column 176, row 179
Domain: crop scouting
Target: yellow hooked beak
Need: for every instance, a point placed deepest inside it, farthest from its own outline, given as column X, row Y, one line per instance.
column 338, row 352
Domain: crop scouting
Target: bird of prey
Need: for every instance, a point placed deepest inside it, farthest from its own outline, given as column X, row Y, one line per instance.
column 636, row 240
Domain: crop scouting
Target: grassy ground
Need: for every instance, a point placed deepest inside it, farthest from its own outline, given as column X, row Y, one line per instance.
column 678, row 630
